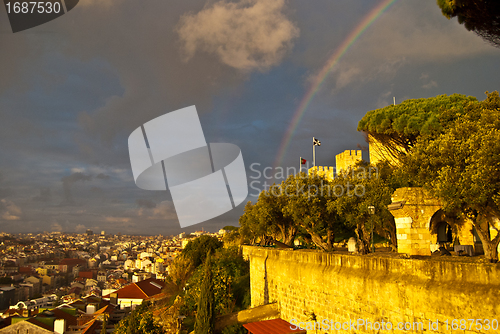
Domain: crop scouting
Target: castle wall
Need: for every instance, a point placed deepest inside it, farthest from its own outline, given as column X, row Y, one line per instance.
column 347, row 159
column 326, row 171
column 339, row 288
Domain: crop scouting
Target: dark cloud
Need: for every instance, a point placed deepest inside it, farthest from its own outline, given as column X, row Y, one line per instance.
column 6, row 192
column 75, row 177
column 68, row 182
column 145, row 203
column 408, row 34
column 45, row 195
column 102, row 176
column 72, row 90
column 97, row 190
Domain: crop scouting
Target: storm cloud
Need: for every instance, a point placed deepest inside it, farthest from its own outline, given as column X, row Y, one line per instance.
column 68, row 182
column 145, row 203
column 72, row 90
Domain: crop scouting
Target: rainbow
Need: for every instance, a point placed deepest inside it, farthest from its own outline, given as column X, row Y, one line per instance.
column 320, row 78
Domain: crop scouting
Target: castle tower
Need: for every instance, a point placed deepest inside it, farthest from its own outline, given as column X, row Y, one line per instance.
column 347, row 159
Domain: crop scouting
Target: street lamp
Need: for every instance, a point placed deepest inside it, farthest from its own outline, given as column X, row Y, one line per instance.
column 371, row 211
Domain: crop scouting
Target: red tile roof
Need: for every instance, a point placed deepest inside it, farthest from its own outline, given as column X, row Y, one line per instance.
column 151, row 286
column 5, row 322
column 86, row 274
column 76, row 290
column 130, row 291
column 40, row 324
column 13, row 311
column 25, row 270
column 59, row 314
column 275, row 326
column 141, row 290
column 79, row 304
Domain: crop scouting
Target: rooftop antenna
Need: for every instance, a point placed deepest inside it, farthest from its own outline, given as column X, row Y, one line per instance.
column 394, row 100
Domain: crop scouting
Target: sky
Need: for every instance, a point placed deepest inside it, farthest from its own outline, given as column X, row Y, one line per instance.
column 265, row 75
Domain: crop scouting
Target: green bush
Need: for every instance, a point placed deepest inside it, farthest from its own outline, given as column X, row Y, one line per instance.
column 235, row 329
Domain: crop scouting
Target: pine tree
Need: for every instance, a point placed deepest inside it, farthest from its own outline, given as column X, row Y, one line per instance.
column 205, row 316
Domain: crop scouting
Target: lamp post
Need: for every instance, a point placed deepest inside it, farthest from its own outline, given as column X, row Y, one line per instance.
column 371, row 211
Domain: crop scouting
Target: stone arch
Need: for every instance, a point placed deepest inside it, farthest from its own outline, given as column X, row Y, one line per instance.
column 444, row 233
column 461, row 229
column 413, row 210
column 437, row 217
column 418, row 217
column 442, row 227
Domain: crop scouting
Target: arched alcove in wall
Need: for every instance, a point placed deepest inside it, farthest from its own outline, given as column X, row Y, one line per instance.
column 442, row 227
column 444, row 234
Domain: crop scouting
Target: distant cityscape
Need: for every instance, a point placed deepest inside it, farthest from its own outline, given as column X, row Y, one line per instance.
column 75, row 283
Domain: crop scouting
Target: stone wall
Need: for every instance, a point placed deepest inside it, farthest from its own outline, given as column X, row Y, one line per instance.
column 327, row 172
column 347, row 159
column 335, row 289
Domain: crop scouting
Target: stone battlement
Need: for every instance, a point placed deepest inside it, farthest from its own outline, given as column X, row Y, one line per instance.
column 347, row 159
column 327, row 171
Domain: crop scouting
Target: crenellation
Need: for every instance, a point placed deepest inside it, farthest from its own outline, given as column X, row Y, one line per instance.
column 325, row 171
column 347, row 159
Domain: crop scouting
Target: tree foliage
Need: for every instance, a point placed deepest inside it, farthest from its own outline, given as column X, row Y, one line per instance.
column 180, row 270
column 197, row 249
column 481, row 17
column 232, row 238
column 398, row 127
column 307, row 197
column 205, row 315
column 235, row 329
column 230, row 273
column 271, row 211
column 462, row 168
column 296, row 205
column 267, row 218
column 320, row 209
column 251, row 226
column 139, row 321
column 364, row 187
column 170, row 316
